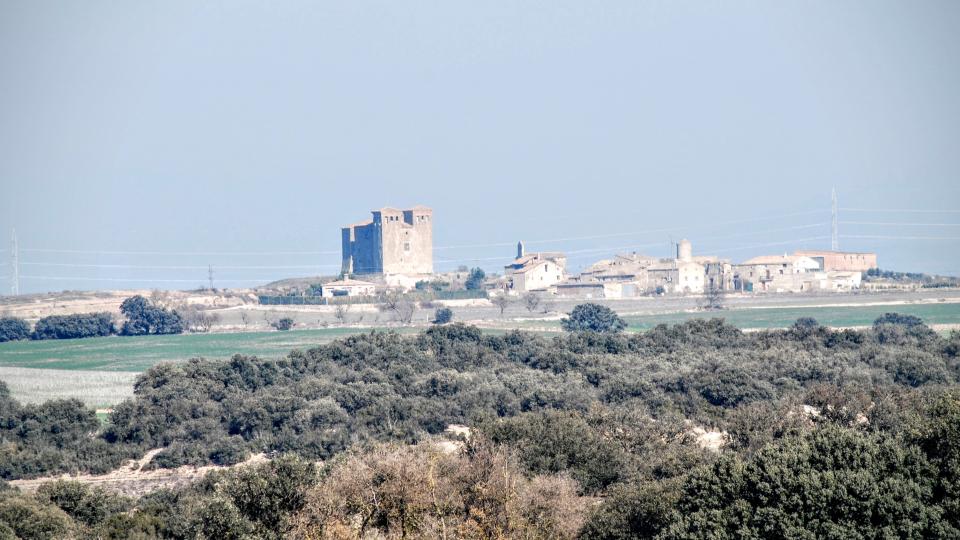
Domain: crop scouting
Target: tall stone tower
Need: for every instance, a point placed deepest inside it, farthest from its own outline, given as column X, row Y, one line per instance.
column 685, row 250
column 393, row 242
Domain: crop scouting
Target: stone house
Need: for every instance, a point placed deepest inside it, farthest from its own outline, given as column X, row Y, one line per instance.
column 534, row 271
column 776, row 273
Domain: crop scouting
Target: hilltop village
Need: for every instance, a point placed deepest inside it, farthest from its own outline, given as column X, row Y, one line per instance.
column 394, row 249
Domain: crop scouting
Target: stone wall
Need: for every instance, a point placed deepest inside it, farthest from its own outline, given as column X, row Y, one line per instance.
column 394, row 242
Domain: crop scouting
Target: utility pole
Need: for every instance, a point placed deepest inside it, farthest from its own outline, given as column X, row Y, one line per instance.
column 835, row 237
column 15, row 262
column 210, row 275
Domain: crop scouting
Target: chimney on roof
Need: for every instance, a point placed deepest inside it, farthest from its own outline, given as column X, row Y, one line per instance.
column 520, row 249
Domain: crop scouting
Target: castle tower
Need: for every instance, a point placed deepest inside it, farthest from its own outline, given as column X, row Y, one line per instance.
column 393, row 242
column 685, row 251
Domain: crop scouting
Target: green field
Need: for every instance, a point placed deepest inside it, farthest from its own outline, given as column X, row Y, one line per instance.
column 136, row 354
column 842, row 316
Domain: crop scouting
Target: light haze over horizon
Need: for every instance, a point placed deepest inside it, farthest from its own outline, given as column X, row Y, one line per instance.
column 142, row 141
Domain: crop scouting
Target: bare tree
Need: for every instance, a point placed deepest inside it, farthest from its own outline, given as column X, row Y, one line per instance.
column 389, row 300
column 403, row 309
column 713, row 298
column 531, row 301
column 160, row 298
column 197, row 320
column 503, row 302
column 245, row 318
column 341, row 312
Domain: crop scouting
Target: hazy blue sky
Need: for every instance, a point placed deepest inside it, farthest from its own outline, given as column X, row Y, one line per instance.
column 192, row 131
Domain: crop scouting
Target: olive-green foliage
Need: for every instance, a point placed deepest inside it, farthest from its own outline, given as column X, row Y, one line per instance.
column 553, row 442
column 13, row 329
column 475, row 279
column 829, row 482
column 144, row 317
column 630, row 511
column 593, row 318
column 76, row 326
column 88, row 505
column 442, row 315
column 382, row 386
column 251, row 502
column 832, row 483
column 52, row 437
column 283, row 324
column 831, row 433
column 26, row 517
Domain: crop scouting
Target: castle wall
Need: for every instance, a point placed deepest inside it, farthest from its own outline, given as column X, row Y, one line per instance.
column 395, row 242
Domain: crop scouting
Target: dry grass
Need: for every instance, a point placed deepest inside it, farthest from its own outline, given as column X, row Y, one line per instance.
column 95, row 388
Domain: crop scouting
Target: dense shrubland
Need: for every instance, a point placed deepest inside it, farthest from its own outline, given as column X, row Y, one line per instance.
column 829, row 434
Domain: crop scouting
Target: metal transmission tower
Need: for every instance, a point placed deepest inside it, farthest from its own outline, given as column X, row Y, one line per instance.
column 835, row 236
column 210, row 275
column 15, row 262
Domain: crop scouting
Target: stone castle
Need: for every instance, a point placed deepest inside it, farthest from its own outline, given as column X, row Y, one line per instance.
column 393, row 242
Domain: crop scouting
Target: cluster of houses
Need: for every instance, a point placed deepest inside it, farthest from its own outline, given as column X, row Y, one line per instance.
column 394, row 249
column 630, row 275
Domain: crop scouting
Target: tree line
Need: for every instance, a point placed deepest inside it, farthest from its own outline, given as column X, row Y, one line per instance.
column 140, row 317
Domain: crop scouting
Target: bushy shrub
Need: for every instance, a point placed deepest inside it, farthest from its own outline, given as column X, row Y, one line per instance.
column 74, row 326
column 593, row 318
column 554, row 442
column 144, row 317
column 475, row 279
column 13, row 329
column 443, row 315
column 283, row 324
column 86, row 504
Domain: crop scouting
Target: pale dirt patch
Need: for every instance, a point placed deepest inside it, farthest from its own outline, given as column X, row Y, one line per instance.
column 131, row 480
column 709, row 440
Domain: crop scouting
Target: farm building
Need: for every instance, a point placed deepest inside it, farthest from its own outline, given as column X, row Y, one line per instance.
column 347, row 287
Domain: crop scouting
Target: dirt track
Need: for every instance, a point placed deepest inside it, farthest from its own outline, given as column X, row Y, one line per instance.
column 132, row 480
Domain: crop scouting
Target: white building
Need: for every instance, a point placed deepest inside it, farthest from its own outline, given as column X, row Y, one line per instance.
column 536, row 271
column 347, row 287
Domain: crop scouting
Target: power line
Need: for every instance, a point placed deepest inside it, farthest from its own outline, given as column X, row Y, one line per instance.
column 886, row 237
column 890, row 223
column 462, row 246
column 681, row 228
column 795, row 241
column 764, row 231
column 900, row 211
column 176, row 267
column 198, row 253
column 139, row 280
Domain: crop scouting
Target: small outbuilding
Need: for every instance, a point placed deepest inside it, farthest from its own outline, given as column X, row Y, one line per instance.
column 347, row 287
